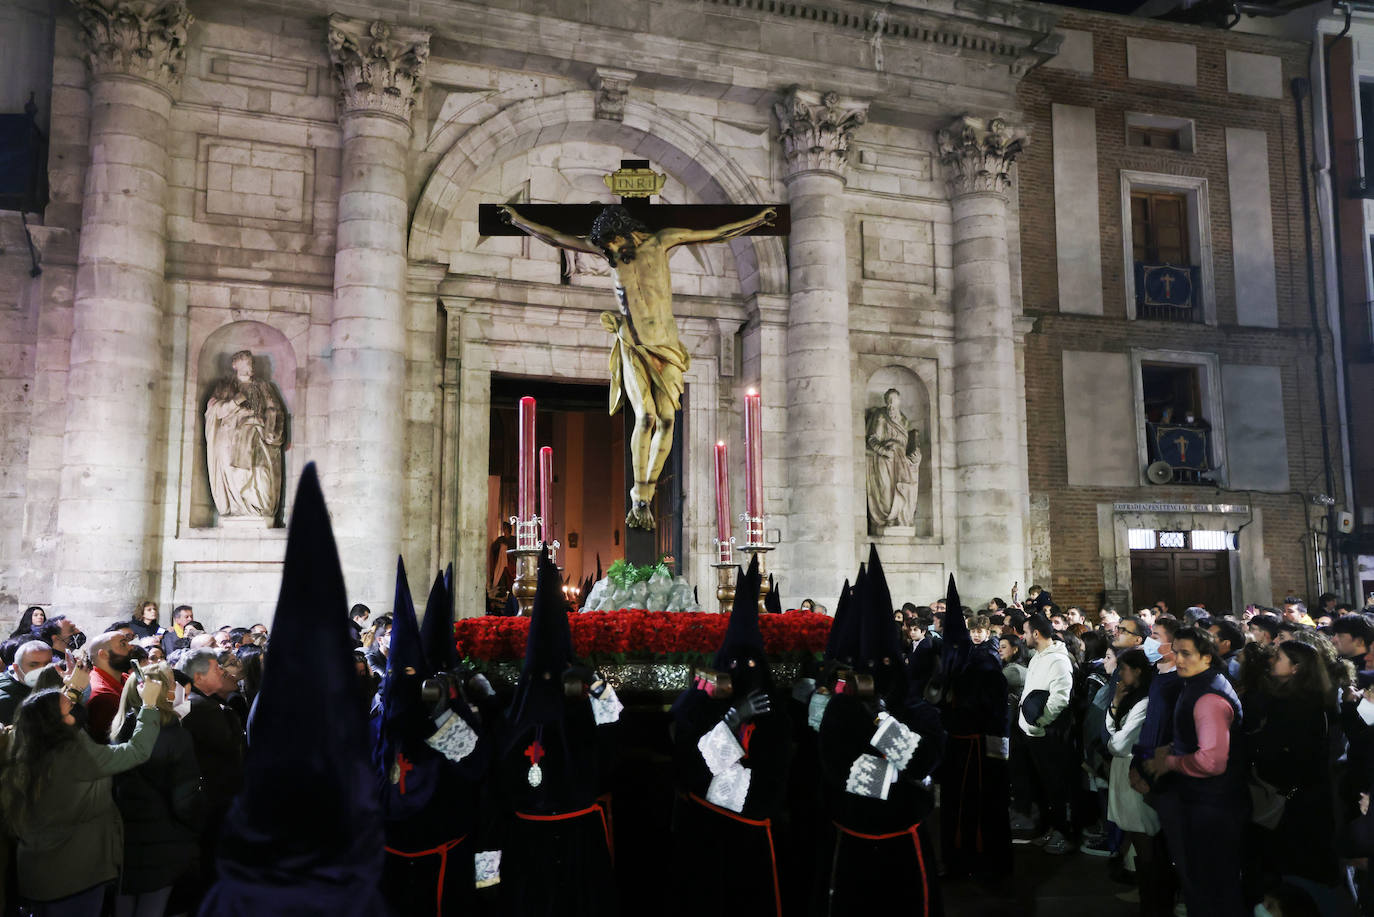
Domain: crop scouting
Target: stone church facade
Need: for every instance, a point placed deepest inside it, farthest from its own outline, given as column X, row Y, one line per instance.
column 304, row 184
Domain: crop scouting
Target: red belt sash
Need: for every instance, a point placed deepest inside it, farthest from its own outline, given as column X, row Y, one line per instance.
column 916, row 842
column 442, row 851
column 596, row 807
column 767, row 825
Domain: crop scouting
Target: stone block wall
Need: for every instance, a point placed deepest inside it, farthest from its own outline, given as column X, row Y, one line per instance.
column 1239, row 82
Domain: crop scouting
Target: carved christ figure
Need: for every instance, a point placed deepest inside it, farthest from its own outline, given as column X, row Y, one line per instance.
column 647, row 359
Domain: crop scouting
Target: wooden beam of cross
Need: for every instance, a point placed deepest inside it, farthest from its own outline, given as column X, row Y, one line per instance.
column 577, row 218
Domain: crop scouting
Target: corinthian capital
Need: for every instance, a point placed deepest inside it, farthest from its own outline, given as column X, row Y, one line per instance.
column 977, row 154
column 140, row 38
column 816, row 128
column 380, row 67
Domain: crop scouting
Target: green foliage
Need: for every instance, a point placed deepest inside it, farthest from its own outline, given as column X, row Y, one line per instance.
column 627, row 574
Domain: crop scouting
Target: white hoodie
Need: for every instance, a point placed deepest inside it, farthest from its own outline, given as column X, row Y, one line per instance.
column 1050, row 669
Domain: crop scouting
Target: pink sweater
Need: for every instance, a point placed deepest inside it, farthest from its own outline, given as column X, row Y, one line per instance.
column 1212, row 716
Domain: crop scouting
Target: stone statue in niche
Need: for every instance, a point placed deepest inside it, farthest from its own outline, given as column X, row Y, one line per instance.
column 894, row 466
column 245, row 423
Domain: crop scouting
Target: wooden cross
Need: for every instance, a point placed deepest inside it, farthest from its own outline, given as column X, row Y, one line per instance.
column 635, row 193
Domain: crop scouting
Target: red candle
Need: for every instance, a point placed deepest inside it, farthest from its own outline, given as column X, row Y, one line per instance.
column 525, row 458
column 753, row 455
column 546, row 491
column 722, row 498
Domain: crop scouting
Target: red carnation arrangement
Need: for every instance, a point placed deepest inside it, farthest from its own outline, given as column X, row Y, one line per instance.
column 649, row 636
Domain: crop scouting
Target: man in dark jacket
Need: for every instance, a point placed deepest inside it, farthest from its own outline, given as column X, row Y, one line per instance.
column 175, row 637
column 218, row 736
column 17, row 681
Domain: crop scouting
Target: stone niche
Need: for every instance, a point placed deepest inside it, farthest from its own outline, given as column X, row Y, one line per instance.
column 896, row 506
column 274, row 361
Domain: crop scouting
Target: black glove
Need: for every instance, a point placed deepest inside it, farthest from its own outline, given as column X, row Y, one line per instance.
column 756, row 704
column 480, row 688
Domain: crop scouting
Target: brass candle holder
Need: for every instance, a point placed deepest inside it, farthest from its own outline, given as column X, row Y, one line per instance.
column 725, row 574
column 526, row 553
column 755, row 547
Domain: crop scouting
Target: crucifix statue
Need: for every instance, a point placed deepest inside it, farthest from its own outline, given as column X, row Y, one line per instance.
column 648, row 361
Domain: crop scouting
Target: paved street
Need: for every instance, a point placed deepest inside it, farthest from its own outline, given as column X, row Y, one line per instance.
column 1062, row 886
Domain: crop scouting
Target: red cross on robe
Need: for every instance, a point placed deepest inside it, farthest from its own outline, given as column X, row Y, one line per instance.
column 403, row 767
column 535, row 752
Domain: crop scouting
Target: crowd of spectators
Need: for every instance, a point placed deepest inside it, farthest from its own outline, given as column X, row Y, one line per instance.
column 1221, row 763
column 121, row 754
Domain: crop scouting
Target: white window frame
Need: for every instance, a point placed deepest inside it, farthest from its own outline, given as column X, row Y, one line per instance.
column 1199, row 232
column 1209, row 378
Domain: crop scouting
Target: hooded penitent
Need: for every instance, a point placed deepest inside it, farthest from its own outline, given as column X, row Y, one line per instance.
column 539, row 698
column 556, row 855
column 954, row 630
column 436, row 630
column 843, row 643
column 772, row 602
column 304, row 836
column 405, row 720
column 880, row 646
column 743, row 642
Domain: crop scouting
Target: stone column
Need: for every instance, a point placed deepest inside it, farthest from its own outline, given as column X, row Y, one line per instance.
column 990, row 460
column 815, row 133
column 380, row 69
column 106, row 514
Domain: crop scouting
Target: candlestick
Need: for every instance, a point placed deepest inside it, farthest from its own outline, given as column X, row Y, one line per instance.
column 525, row 460
column 546, row 492
column 753, row 467
column 723, row 539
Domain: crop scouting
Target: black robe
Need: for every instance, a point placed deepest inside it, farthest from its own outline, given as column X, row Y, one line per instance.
column 556, row 856
column 723, row 856
column 882, row 858
column 435, row 819
column 975, row 831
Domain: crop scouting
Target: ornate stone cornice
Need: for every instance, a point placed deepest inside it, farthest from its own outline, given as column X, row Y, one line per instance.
column 380, row 67
column 139, row 38
column 977, row 154
column 816, row 128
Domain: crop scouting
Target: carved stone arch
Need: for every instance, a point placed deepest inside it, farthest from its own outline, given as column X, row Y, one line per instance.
column 650, row 132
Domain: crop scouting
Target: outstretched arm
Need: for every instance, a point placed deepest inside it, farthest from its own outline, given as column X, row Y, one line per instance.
column 548, row 234
column 671, row 237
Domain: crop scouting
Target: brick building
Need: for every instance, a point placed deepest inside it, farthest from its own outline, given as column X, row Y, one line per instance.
column 1165, row 263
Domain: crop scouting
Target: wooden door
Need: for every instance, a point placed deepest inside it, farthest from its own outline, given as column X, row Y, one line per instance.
column 1182, row 578
column 1152, row 578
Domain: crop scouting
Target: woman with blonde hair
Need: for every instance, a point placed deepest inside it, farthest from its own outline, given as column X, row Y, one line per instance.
column 161, row 803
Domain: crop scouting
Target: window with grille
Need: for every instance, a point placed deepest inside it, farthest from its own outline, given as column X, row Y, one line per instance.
column 1196, row 540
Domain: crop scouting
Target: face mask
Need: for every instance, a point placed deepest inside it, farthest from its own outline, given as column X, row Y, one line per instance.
column 1151, row 647
column 31, row 678
column 1262, row 911
column 76, row 641
column 79, row 714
